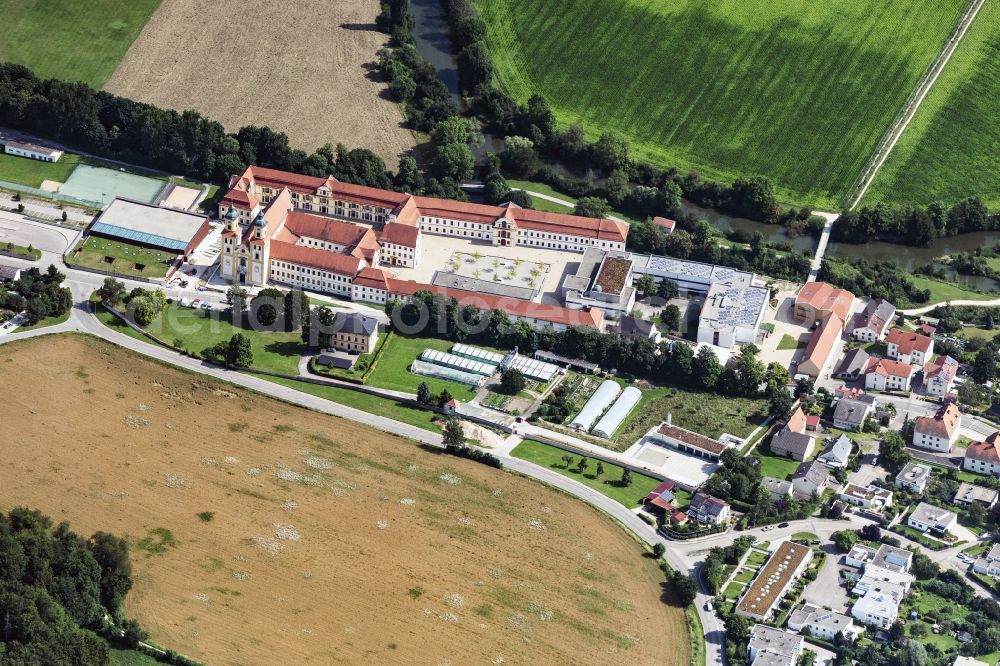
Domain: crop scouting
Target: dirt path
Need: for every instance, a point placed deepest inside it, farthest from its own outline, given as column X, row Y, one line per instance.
column 913, row 104
column 303, row 67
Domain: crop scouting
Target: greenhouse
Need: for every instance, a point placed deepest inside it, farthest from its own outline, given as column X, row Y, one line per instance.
column 476, row 353
column 444, row 372
column 614, row 417
column 598, row 402
column 457, row 362
column 534, row 369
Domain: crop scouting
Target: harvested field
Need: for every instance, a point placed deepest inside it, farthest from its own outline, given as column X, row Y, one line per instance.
column 301, row 67
column 261, row 531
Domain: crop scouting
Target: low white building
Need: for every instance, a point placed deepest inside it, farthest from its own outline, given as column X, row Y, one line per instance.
column 913, row 477
column 879, row 606
column 882, row 374
column 732, row 314
column 989, row 564
column 32, row 151
column 929, row 518
column 968, row 493
column 872, row 323
column 773, row 647
column 872, row 497
column 910, row 348
column 822, row 623
column 939, row 376
column 983, row 457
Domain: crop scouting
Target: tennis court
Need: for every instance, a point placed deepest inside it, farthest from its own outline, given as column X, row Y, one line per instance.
column 92, row 183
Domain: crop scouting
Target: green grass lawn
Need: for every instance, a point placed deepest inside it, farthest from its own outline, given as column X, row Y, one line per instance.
column 75, row 41
column 798, row 91
column 778, row 467
column 551, row 206
column 551, row 457
column 196, row 330
column 705, row 413
column 93, row 252
column 951, row 149
column 745, row 575
column 22, row 171
column 788, row 342
column 399, row 352
column 756, row 558
column 733, row 591
column 48, row 321
column 129, row 658
column 21, row 249
column 945, row 291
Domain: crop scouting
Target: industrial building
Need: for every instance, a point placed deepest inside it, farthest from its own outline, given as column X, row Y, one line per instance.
column 148, row 225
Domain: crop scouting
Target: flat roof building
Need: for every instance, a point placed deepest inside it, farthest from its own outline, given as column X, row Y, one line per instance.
column 152, row 226
column 732, row 314
column 774, row 579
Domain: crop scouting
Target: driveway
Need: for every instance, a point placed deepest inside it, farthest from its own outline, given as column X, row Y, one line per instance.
column 826, row 591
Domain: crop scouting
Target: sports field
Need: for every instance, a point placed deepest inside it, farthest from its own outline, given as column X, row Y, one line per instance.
column 74, row 40
column 23, row 171
column 262, row 532
column 798, row 91
column 94, row 183
column 951, row 149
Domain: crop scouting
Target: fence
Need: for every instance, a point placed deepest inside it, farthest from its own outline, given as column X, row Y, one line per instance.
column 51, row 196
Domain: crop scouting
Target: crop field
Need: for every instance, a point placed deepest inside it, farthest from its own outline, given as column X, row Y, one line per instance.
column 951, row 149
column 798, row 91
column 71, row 40
column 260, row 531
column 304, row 70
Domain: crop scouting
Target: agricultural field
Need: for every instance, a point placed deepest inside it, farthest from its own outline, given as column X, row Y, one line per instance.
column 308, row 73
column 798, row 91
column 74, row 41
column 951, row 149
column 246, row 516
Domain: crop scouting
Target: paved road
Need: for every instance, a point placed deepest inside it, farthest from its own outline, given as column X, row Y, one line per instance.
column 927, row 308
column 824, row 240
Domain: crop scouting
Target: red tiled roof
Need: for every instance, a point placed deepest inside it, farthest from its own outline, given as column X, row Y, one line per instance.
column 797, row 421
column 458, row 210
column 275, row 213
column 665, row 223
column 278, row 179
column 888, row 368
column 692, row 438
column 658, row 490
column 362, row 194
column 987, row 450
column 326, row 229
column 822, row 340
column 944, row 368
column 241, row 199
column 399, row 234
column 812, row 421
column 824, row 297
column 342, row 264
column 943, row 424
column 371, row 277
column 561, row 223
column 908, row 342
column 517, row 307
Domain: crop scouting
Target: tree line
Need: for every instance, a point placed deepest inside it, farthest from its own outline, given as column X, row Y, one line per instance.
column 38, row 294
column 909, row 225
column 879, row 279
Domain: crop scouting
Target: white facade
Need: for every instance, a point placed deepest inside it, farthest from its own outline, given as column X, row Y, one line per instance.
column 915, row 357
column 878, row 382
column 33, row 153
column 934, row 442
column 315, row 279
column 981, row 466
column 927, row 517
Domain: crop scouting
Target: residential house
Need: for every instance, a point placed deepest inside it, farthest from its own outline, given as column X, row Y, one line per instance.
column 816, row 300
column 773, row 647
column 872, row 497
column 859, row 556
column 929, row 518
column 989, row 564
column 791, row 440
column 9, row 273
column 850, row 414
column 938, row 432
column 913, row 477
column 886, row 557
column 777, row 488
column 822, row 623
column 879, row 606
column 852, row 365
column 666, row 224
column 968, row 493
column 882, row 374
column 837, row 453
column 708, row 510
column 633, row 327
column 775, row 578
column 983, row 457
column 962, row 660
column 812, row 422
column 354, row 333
column 809, row 478
column 909, row 348
column 661, row 499
column 822, row 343
column 872, row 323
column 939, row 376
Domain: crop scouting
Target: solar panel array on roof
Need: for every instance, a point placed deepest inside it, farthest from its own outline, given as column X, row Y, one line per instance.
column 616, row 415
column 534, row 369
column 457, row 362
column 477, row 353
column 598, row 402
column 140, row 237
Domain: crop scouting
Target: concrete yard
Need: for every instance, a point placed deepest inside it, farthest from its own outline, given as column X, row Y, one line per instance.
column 687, row 470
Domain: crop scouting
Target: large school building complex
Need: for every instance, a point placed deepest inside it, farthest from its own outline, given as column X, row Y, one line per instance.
column 325, row 235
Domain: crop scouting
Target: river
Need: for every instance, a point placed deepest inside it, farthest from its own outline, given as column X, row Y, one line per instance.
column 910, row 258
column 774, row 233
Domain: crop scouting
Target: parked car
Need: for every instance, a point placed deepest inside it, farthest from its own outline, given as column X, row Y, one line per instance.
column 708, row 606
column 196, row 303
column 184, row 283
column 206, row 306
column 782, row 524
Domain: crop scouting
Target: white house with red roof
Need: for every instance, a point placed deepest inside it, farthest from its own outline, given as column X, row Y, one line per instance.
column 938, row 432
column 872, row 323
column 882, row 374
column 983, row 457
column 910, row 348
column 939, row 376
